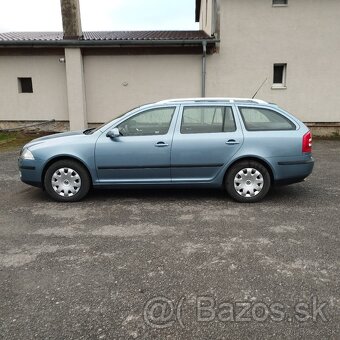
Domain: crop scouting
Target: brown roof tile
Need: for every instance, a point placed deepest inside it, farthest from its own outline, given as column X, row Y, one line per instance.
column 108, row 36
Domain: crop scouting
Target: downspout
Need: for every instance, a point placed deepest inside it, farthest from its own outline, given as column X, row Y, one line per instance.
column 204, row 66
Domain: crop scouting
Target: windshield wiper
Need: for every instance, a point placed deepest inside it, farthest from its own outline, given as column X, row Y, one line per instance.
column 88, row 131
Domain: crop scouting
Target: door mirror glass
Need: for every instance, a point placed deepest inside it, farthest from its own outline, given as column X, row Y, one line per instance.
column 114, row 133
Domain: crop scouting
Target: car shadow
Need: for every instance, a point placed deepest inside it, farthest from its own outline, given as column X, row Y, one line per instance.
column 292, row 193
column 276, row 194
column 157, row 194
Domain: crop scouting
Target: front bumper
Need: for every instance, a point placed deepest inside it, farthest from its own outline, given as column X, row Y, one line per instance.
column 30, row 172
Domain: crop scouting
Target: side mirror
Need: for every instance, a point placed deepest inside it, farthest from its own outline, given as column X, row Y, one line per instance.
column 114, row 133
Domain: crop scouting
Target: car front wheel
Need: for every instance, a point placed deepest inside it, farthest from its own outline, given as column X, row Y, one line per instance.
column 247, row 181
column 67, row 181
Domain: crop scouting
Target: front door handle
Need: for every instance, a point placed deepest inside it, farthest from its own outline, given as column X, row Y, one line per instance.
column 161, row 145
column 232, row 142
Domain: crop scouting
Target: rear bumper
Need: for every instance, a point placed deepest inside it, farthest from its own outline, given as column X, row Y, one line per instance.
column 309, row 161
column 293, row 171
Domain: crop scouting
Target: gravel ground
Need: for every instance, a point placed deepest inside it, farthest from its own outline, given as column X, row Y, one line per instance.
column 172, row 264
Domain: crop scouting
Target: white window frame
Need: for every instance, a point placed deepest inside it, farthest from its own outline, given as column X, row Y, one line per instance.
column 282, row 85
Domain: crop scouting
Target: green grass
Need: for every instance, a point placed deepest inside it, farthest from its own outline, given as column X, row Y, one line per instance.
column 15, row 140
column 4, row 136
column 333, row 136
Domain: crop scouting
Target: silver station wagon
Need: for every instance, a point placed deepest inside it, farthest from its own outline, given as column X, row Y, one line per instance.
column 244, row 146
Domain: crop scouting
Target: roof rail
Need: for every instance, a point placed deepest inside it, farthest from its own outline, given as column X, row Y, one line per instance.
column 213, row 99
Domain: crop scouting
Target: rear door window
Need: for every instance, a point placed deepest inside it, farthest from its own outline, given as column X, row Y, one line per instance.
column 260, row 119
column 204, row 119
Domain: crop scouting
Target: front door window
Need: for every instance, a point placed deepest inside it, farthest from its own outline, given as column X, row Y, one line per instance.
column 148, row 123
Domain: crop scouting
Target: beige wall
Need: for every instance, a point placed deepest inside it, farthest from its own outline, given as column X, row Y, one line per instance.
column 206, row 17
column 115, row 84
column 305, row 35
column 49, row 98
column 75, row 88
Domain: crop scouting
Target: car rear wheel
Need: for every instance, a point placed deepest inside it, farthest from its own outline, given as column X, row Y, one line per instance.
column 67, row 181
column 247, row 181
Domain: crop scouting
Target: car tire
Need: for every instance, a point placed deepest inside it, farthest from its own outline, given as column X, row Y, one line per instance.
column 247, row 181
column 67, row 181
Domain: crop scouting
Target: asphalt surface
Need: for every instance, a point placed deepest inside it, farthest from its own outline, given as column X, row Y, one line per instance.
column 160, row 264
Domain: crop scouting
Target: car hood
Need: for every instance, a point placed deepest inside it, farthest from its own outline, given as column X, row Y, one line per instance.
column 52, row 137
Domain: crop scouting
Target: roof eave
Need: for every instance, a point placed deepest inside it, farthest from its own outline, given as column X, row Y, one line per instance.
column 106, row 43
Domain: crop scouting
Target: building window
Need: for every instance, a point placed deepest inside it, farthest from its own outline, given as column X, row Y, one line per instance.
column 279, row 75
column 280, row 2
column 25, row 85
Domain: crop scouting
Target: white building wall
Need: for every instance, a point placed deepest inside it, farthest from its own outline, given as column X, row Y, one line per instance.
column 49, row 97
column 115, row 84
column 305, row 35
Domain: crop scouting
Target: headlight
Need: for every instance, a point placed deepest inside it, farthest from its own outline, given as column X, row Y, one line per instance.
column 27, row 154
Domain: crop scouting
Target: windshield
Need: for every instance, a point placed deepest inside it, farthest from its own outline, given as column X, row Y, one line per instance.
column 92, row 130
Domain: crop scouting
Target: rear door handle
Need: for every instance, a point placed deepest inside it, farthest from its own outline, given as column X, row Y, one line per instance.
column 161, row 145
column 232, row 142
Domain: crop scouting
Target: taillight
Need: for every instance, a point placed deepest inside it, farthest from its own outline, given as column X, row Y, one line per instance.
column 307, row 142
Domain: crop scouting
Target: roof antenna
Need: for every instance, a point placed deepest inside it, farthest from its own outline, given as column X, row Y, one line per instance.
column 259, row 89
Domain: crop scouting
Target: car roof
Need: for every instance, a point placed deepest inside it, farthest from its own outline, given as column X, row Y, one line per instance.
column 212, row 100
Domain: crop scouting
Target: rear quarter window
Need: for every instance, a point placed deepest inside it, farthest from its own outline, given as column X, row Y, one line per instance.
column 260, row 119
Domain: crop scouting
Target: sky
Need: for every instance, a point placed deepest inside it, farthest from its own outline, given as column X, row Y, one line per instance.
column 99, row 15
